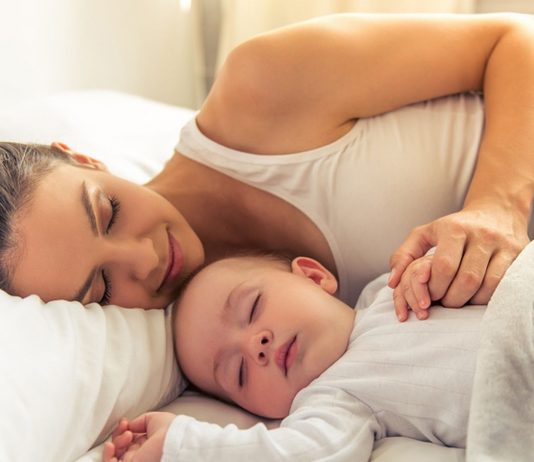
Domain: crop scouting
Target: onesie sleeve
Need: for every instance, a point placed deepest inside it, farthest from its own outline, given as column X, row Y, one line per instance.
column 332, row 425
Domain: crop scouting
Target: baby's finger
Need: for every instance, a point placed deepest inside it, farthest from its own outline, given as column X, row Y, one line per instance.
column 108, row 454
column 401, row 307
column 122, row 426
column 419, row 283
column 408, row 294
column 122, row 443
column 421, row 295
column 420, row 313
column 123, row 439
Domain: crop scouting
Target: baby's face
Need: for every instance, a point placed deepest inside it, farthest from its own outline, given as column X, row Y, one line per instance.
column 255, row 333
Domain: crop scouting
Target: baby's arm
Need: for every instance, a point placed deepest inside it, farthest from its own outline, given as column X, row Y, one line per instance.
column 316, row 430
column 412, row 292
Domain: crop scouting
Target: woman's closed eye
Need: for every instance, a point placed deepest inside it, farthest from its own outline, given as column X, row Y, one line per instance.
column 106, row 296
column 115, row 209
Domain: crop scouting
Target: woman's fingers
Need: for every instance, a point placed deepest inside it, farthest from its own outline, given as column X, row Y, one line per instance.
column 449, row 242
column 418, row 242
column 498, row 265
column 469, row 277
column 466, row 242
column 446, row 262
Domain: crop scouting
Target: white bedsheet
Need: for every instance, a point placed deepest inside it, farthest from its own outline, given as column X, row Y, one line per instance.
column 396, row 449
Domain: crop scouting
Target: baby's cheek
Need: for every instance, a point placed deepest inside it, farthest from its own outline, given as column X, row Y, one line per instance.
column 272, row 402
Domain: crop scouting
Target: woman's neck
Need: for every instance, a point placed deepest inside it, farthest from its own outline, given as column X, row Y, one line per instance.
column 229, row 215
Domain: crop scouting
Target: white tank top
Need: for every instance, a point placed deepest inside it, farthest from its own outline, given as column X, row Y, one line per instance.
column 368, row 189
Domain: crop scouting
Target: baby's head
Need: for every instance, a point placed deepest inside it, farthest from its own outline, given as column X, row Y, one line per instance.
column 256, row 330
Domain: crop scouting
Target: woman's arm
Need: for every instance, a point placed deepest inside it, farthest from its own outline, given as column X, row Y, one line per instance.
column 475, row 246
column 291, row 89
column 329, row 71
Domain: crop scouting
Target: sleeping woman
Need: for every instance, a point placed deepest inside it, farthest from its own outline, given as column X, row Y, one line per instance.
column 333, row 138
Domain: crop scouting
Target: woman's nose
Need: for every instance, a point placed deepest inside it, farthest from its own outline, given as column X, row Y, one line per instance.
column 137, row 256
column 259, row 347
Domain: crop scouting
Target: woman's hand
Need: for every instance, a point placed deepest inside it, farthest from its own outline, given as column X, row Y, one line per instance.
column 140, row 440
column 474, row 248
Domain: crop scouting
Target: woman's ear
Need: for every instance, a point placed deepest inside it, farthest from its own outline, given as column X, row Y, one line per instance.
column 313, row 270
column 82, row 159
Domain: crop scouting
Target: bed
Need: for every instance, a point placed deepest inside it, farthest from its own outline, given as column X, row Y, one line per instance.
column 69, row 372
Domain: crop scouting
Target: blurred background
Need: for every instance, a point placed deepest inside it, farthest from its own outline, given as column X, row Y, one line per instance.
column 167, row 50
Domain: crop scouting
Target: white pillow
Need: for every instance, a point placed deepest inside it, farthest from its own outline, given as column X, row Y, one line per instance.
column 132, row 135
column 69, row 372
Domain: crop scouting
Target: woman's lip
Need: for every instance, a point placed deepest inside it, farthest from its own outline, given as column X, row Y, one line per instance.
column 286, row 354
column 174, row 263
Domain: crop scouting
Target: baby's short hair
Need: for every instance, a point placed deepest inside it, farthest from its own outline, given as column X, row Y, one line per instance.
column 259, row 254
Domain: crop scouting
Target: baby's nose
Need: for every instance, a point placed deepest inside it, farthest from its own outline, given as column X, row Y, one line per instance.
column 261, row 346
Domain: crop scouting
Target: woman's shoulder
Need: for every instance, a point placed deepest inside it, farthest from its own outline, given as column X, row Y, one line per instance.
column 256, row 105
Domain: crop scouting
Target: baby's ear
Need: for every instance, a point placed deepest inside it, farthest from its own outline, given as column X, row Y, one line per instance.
column 313, row 270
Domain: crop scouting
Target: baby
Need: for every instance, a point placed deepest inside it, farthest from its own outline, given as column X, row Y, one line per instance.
column 269, row 335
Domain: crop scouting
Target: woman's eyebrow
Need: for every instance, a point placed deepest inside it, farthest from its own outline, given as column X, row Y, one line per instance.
column 88, row 208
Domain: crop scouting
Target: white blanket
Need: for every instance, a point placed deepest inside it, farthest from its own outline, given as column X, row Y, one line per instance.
column 501, row 424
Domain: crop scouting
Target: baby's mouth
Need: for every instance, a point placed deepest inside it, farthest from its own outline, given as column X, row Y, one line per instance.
column 285, row 355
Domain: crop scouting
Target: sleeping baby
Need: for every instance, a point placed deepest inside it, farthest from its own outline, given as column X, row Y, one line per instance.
column 268, row 335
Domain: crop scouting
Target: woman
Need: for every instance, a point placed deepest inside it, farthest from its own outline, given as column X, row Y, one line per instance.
column 286, row 154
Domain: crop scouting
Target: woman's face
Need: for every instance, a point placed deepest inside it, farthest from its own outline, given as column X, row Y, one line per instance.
column 90, row 236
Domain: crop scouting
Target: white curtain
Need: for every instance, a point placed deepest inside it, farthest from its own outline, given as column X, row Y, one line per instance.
column 242, row 19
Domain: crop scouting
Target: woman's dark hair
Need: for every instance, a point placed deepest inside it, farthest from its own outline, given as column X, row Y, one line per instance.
column 21, row 168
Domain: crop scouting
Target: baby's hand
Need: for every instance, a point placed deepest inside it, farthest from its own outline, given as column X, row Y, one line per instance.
column 412, row 291
column 140, row 440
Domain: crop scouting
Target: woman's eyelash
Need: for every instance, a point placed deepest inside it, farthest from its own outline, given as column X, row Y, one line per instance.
column 107, row 290
column 254, row 306
column 115, row 209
